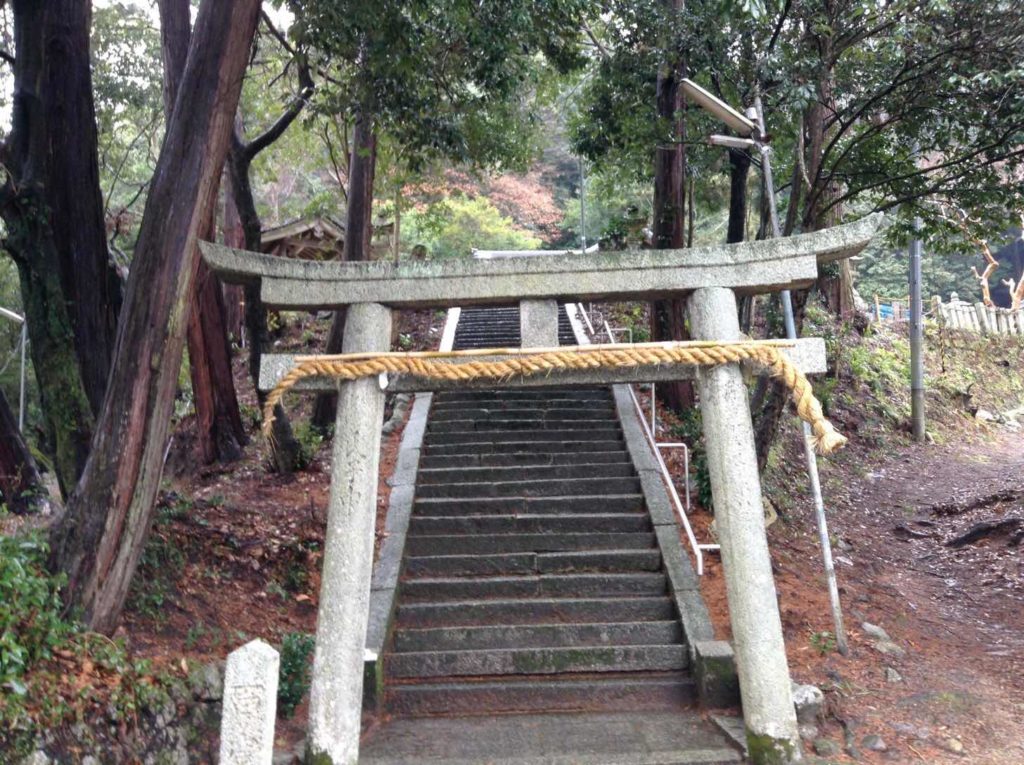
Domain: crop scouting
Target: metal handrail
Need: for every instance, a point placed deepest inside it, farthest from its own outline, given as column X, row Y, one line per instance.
column 650, row 432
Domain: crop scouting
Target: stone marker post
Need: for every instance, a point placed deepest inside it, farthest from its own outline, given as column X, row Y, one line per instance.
column 336, row 691
column 538, row 323
column 250, row 705
column 739, row 514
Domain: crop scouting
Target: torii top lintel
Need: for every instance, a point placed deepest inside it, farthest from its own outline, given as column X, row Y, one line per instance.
column 747, row 268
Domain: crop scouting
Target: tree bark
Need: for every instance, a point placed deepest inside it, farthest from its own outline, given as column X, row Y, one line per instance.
column 32, row 240
column 736, row 230
column 284, row 448
column 220, row 433
column 175, row 36
column 20, row 483
column 234, row 236
column 358, row 235
column 835, row 284
column 739, row 170
column 90, row 281
column 102, row 535
column 668, row 317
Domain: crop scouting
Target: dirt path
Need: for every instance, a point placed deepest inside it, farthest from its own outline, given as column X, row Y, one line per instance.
column 950, row 687
column 957, row 613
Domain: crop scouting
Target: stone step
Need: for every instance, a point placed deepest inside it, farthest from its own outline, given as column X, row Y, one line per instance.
column 520, row 404
column 538, row 636
column 431, row 476
column 479, row 544
column 519, row 459
column 616, row 523
column 537, row 661
column 532, row 563
column 499, row 329
column 443, row 590
column 586, row 504
column 584, row 411
column 576, row 693
column 606, row 443
column 604, row 432
column 496, row 424
column 535, row 611
column 541, row 488
column 542, row 395
column 493, row 340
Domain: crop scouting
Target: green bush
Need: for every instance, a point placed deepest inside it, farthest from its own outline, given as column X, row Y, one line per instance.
column 309, row 440
column 690, row 430
column 30, row 609
column 293, row 678
column 34, row 697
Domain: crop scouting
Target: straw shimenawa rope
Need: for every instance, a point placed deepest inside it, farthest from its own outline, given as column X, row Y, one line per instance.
column 474, row 365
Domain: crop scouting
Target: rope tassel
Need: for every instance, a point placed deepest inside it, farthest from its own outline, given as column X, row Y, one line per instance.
column 475, row 365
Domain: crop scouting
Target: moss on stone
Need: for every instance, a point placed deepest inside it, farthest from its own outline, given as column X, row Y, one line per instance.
column 763, row 749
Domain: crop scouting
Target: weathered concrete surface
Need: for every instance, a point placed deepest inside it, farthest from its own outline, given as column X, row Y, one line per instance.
column 750, row 267
column 715, row 668
column 250, row 705
column 736, row 486
column 650, row 738
column 693, row 612
column 336, row 690
column 386, row 571
column 538, row 323
column 808, row 354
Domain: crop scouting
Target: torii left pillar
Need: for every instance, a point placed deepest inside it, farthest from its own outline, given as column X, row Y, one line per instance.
column 336, row 691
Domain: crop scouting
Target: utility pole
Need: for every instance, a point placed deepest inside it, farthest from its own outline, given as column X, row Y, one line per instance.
column 916, row 336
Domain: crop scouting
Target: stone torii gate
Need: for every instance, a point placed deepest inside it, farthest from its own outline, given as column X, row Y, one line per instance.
column 709, row 277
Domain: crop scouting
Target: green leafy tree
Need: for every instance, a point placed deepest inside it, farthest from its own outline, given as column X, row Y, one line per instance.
column 457, row 226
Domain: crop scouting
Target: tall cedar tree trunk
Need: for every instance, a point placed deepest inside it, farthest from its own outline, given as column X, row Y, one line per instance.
column 233, row 236
column 219, row 430
column 358, row 233
column 668, row 320
column 736, row 230
column 55, row 231
column 102, row 535
column 242, row 205
column 91, row 283
column 20, row 483
column 835, row 285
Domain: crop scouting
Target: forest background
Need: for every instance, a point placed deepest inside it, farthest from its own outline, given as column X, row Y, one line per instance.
column 450, row 125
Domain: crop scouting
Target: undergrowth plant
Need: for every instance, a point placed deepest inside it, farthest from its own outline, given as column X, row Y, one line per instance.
column 690, row 430
column 52, row 672
column 30, row 622
column 293, row 678
column 309, row 439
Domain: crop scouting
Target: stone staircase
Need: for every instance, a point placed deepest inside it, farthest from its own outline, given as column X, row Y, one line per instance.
column 532, row 578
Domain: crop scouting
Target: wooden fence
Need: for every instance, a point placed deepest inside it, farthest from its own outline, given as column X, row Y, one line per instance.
column 977, row 317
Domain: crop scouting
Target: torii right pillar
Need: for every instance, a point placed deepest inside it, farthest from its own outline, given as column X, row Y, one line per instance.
column 771, row 726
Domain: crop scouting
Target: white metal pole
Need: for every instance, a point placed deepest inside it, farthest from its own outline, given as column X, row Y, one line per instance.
column 583, row 207
column 916, row 336
column 811, row 457
column 21, row 392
